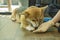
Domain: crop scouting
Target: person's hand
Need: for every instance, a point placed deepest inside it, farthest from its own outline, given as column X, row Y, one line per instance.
column 44, row 26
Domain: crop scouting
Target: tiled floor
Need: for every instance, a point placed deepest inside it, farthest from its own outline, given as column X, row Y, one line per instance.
column 11, row 31
column 8, row 16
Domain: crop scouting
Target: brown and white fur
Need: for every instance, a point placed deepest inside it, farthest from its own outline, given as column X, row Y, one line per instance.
column 32, row 17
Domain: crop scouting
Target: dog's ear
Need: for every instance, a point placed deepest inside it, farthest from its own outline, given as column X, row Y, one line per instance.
column 43, row 8
column 26, row 13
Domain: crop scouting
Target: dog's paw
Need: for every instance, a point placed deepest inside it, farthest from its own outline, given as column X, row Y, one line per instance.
column 29, row 28
column 13, row 19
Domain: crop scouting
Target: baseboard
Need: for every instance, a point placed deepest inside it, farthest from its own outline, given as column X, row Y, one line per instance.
column 5, row 13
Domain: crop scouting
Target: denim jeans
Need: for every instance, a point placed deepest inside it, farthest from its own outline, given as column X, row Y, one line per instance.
column 52, row 10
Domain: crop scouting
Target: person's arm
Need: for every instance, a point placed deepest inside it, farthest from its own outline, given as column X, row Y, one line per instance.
column 45, row 26
column 56, row 18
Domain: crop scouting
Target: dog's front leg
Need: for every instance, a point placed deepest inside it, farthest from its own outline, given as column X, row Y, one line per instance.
column 22, row 20
column 13, row 16
column 18, row 18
